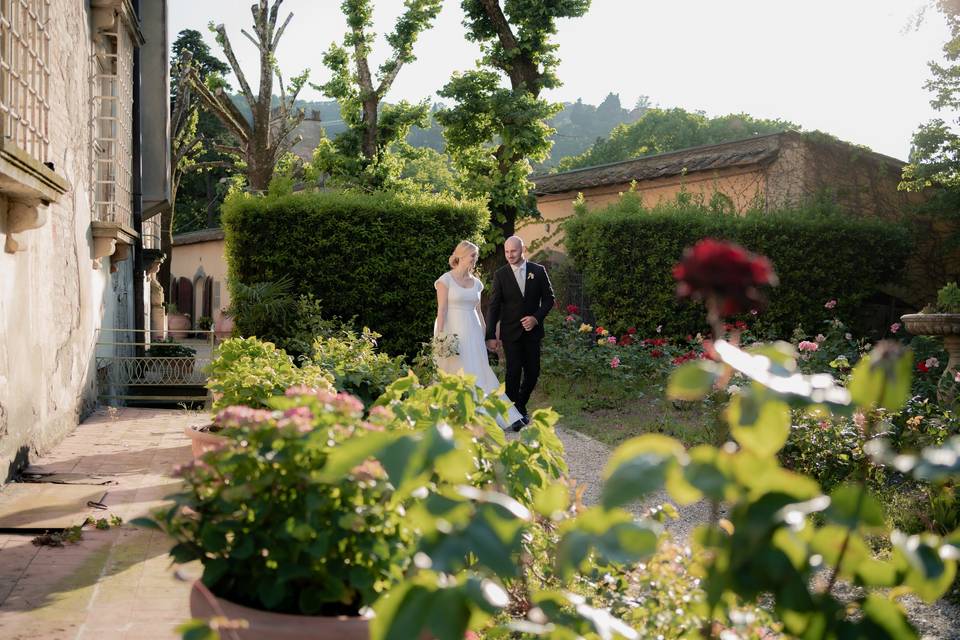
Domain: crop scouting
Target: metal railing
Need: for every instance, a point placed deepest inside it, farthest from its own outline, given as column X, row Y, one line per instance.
column 126, row 371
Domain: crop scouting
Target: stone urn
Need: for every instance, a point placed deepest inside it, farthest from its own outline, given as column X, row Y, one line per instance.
column 265, row 625
column 947, row 326
column 178, row 325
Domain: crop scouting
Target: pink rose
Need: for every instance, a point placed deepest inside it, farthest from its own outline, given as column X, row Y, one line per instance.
column 830, row 304
column 895, row 327
column 615, row 362
column 612, row 340
column 820, row 338
column 806, row 345
column 932, row 363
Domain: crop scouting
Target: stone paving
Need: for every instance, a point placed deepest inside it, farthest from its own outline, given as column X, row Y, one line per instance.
column 117, row 583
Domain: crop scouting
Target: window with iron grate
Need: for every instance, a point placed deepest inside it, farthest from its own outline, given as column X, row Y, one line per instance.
column 25, row 75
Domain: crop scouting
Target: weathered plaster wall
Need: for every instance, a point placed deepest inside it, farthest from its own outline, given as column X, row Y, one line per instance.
column 206, row 258
column 52, row 298
column 744, row 188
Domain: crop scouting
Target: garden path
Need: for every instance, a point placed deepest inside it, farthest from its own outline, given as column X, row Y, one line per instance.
column 587, row 458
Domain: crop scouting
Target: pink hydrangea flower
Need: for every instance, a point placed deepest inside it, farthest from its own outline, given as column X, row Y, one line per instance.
column 806, row 345
column 830, row 304
column 895, row 327
column 615, row 362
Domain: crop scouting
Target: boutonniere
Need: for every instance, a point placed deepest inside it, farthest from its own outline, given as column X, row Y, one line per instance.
column 529, row 276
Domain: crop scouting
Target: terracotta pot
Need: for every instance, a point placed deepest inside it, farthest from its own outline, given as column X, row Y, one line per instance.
column 223, row 327
column 264, row 625
column 178, row 325
column 203, row 441
column 947, row 326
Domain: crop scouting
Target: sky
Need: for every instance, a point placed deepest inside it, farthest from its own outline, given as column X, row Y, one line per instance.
column 852, row 68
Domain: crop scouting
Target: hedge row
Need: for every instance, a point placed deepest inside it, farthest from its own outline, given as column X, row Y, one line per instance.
column 626, row 254
column 368, row 257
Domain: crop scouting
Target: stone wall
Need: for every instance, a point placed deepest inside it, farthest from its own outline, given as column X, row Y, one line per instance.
column 52, row 295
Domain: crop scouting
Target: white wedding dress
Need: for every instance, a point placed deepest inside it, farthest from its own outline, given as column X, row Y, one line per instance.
column 463, row 320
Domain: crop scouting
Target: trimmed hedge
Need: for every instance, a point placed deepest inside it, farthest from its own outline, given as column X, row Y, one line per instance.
column 369, row 257
column 626, row 254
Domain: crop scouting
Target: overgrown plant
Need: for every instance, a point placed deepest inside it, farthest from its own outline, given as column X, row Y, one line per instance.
column 767, row 544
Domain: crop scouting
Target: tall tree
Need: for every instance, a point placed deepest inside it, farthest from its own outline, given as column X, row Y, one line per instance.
column 493, row 132
column 262, row 140
column 192, row 132
column 195, row 182
column 935, row 156
column 360, row 154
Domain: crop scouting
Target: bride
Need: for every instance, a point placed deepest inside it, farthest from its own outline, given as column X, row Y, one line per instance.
column 458, row 312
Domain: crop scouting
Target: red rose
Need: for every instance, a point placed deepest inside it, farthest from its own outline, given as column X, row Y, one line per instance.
column 625, row 341
column 632, row 330
column 725, row 273
column 741, row 325
column 922, row 367
column 572, row 308
column 656, row 353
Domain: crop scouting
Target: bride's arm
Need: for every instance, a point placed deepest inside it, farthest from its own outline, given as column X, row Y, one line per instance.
column 441, row 307
column 483, row 323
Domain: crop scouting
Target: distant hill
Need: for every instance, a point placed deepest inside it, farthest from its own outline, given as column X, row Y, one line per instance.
column 578, row 126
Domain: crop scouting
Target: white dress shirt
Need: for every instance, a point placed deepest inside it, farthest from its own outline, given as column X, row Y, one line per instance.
column 520, row 273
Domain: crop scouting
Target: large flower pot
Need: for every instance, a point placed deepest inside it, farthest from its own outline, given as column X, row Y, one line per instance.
column 223, row 328
column 947, row 326
column 178, row 325
column 264, row 625
column 203, row 441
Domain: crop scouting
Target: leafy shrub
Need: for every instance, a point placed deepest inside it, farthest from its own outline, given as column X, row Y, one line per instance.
column 287, row 532
column 948, row 298
column 356, row 366
column 248, row 372
column 626, row 252
column 169, row 349
column 369, row 256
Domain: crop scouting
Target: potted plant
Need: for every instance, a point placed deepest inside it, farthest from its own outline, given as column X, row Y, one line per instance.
column 178, row 324
column 295, row 547
column 249, row 372
column 224, row 325
column 941, row 319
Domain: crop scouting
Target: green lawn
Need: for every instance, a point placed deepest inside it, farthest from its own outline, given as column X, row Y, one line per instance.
column 613, row 414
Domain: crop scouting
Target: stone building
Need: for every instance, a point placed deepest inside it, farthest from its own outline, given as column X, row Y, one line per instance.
column 766, row 172
column 84, row 175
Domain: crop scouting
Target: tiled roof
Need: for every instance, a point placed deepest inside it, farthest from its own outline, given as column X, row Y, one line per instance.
column 757, row 150
column 193, row 237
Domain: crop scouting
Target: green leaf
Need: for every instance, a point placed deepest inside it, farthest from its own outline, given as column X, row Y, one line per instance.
column 692, row 380
column 928, row 574
column 852, row 506
column 402, row 613
column 349, row 454
column 882, row 379
column 196, row 629
column 888, row 616
column 552, row 499
column 635, row 478
column 759, row 424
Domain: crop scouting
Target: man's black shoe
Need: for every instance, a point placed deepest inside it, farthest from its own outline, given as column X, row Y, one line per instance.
column 526, row 418
column 516, row 426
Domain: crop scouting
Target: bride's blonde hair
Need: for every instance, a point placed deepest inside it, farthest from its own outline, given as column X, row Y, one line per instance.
column 463, row 249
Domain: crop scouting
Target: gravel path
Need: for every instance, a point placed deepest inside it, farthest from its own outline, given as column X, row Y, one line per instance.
column 587, row 458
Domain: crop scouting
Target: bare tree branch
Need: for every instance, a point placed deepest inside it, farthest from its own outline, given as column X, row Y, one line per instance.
column 250, row 38
column 276, row 37
column 232, row 59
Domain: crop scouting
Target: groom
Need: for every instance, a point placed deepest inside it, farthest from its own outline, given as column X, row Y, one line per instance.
column 522, row 297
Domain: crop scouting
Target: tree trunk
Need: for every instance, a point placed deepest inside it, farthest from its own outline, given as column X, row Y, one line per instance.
column 166, row 245
column 370, row 131
column 211, row 201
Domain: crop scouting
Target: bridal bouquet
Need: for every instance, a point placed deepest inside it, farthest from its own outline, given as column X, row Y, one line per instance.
column 446, row 346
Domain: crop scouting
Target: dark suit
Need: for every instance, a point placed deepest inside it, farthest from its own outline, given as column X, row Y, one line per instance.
column 522, row 348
